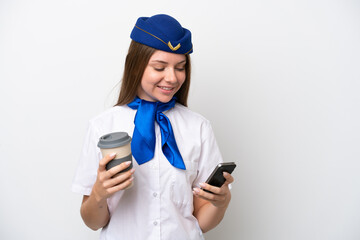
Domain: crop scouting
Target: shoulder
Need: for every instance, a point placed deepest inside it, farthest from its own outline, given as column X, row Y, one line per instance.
column 188, row 114
column 118, row 114
column 186, row 120
column 110, row 113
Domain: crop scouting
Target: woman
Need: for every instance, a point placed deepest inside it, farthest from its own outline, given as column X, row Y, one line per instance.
column 167, row 200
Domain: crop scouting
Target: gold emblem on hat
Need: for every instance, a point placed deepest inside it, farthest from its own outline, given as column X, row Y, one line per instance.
column 169, row 43
column 173, row 48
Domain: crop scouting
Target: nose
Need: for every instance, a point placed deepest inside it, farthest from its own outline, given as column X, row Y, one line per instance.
column 170, row 75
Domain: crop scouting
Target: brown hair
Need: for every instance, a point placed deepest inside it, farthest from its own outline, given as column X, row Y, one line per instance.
column 136, row 61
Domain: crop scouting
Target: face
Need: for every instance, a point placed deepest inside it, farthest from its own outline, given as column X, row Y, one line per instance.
column 163, row 76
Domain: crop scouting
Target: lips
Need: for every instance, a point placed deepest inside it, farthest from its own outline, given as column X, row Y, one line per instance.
column 166, row 88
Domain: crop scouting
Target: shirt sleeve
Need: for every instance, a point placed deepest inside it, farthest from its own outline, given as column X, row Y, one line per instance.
column 86, row 172
column 210, row 154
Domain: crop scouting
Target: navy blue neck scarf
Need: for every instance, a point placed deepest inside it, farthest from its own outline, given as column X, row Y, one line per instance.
column 144, row 139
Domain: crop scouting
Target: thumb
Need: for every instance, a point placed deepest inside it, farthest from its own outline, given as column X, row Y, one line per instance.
column 228, row 177
column 105, row 160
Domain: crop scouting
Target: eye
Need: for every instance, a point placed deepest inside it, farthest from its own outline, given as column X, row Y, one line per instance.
column 159, row 69
column 180, row 68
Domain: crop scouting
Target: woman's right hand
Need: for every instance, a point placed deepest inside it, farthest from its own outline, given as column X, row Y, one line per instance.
column 106, row 183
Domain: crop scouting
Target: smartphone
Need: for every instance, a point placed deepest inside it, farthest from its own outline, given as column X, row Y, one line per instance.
column 216, row 178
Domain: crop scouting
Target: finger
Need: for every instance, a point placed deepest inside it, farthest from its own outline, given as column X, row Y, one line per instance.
column 114, row 170
column 122, row 177
column 122, row 185
column 208, row 196
column 213, row 189
column 228, row 177
column 105, row 160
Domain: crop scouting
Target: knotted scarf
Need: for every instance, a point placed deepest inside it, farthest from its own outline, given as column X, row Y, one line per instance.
column 144, row 139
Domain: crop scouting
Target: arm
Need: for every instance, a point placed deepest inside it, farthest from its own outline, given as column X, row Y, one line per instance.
column 94, row 210
column 95, row 214
column 209, row 209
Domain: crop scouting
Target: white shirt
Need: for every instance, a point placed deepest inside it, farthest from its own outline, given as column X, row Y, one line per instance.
column 160, row 204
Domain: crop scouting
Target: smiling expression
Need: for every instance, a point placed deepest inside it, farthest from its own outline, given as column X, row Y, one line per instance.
column 163, row 76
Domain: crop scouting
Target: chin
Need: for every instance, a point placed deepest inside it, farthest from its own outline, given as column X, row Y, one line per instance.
column 164, row 99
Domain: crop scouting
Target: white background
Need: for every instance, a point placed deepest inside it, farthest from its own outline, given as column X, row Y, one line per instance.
column 279, row 80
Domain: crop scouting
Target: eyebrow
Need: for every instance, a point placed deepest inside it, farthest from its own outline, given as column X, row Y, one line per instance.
column 163, row 62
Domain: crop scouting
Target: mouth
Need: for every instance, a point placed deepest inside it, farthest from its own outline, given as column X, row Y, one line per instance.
column 166, row 88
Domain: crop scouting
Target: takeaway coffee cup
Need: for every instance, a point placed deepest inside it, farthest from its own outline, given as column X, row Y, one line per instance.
column 119, row 143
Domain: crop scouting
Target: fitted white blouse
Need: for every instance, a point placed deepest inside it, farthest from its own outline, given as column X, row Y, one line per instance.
column 160, row 204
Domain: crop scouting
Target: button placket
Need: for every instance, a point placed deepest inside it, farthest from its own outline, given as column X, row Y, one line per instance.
column 156, row 184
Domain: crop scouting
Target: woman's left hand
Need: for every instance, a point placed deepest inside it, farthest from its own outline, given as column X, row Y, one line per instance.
column 219, row 196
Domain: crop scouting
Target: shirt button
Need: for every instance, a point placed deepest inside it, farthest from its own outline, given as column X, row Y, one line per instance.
column 154, row 194
column 155, row 223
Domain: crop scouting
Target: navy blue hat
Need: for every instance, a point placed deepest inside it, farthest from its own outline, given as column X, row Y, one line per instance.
column 164, row 33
